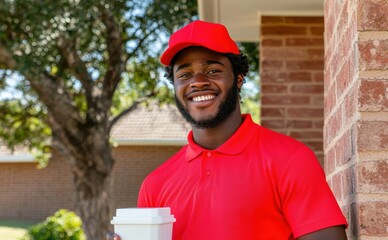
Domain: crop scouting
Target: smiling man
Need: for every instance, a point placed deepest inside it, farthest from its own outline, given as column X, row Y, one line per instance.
column 234, row 179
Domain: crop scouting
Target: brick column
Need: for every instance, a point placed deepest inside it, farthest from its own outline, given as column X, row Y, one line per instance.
column 291, row 69
column 356, row 113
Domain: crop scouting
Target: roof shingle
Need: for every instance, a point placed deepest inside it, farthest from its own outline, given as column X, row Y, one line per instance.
column 153, row 121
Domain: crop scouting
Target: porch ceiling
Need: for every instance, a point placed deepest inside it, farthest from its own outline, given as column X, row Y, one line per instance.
column 241, row 17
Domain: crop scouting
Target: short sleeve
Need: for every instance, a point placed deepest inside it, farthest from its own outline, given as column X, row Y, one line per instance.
column 307, row 201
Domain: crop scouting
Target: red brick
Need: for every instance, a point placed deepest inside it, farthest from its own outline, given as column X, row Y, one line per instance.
column 315, row 53
column 284, row 100
column 272, row 76
column 274, row 88
column 317, row 100
column 272, row 112
column 306, row 134
column 373, row 54
column 372, row 136
column 329, row 161
column 345, row 148
column 374, row 95
column 317, row 31
column 333, row 126
column 271, row 42
column 350, row 104
column 373, row 15
column 348, row 39
column 329, row 27
column 337, row 186
column 300, row 77
column 305, row 42
column 373, row 218
column 318, row 76
column 318, row 124
column 291, row 53
column 315, row 145
column 280, row 76
column 342, row 18
column 305, row 112
column 283, row 30
column 343, row 79
column 320, row 156
column 272, row 64
column 353, row 67
column 304, row 54
column 306, row 65
column 334, row 66
column 272, row 123
column 307, row 89
column 303, row 124
column 304, row 20
column 372, row 176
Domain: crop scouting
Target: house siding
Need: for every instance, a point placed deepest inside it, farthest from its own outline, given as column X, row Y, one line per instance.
column 29, row 193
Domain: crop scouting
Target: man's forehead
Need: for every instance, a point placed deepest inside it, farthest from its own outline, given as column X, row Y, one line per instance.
column 178, row 65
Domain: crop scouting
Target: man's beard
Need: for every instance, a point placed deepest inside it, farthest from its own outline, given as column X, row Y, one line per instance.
column 226, row 108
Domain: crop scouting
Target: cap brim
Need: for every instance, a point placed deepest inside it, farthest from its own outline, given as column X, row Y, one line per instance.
column 170, row 52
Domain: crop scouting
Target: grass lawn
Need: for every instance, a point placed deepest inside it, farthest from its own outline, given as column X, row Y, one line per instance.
column 13, row 230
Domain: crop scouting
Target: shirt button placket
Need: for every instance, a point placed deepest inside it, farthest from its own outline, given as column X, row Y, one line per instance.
column 208, row 169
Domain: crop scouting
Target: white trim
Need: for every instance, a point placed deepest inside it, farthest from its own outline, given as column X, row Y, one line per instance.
column 151, row 142
column 17, row 158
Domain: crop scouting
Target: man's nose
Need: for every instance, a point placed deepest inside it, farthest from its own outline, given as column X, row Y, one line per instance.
column 200, row 80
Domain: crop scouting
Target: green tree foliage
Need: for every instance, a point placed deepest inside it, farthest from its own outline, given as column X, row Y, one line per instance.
column 63, row 225
column 250, row 93
column 69, row 69
column 69, row 41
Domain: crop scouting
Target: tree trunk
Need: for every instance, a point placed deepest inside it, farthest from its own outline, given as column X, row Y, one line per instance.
column 92, row 202
column 91, row 163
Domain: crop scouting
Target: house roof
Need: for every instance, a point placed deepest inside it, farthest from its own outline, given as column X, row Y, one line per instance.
column 151, row 124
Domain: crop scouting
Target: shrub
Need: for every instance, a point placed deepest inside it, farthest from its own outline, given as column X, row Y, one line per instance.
column 63, row 225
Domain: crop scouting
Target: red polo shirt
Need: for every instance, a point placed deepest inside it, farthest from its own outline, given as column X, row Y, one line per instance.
column 257, row 185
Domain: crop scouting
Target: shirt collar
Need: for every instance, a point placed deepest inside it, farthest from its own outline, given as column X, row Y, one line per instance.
column 234, row 145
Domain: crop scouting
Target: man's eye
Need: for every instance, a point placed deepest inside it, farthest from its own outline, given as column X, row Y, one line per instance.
column 213, row 71
column 184, row 75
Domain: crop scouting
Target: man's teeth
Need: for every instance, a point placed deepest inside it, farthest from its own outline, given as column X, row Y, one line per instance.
column 203, row 98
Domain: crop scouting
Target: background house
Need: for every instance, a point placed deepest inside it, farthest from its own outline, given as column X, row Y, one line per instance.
column 144, row 139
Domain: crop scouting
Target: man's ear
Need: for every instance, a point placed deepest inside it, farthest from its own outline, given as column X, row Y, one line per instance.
column 240, row 81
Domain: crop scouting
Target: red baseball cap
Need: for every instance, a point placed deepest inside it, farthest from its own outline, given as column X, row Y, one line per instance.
column 213, row 36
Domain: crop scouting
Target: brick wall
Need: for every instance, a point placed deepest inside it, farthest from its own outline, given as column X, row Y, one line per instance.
column 291, row 65
column 132, row 166
column 28, row 193
column 356, row 112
